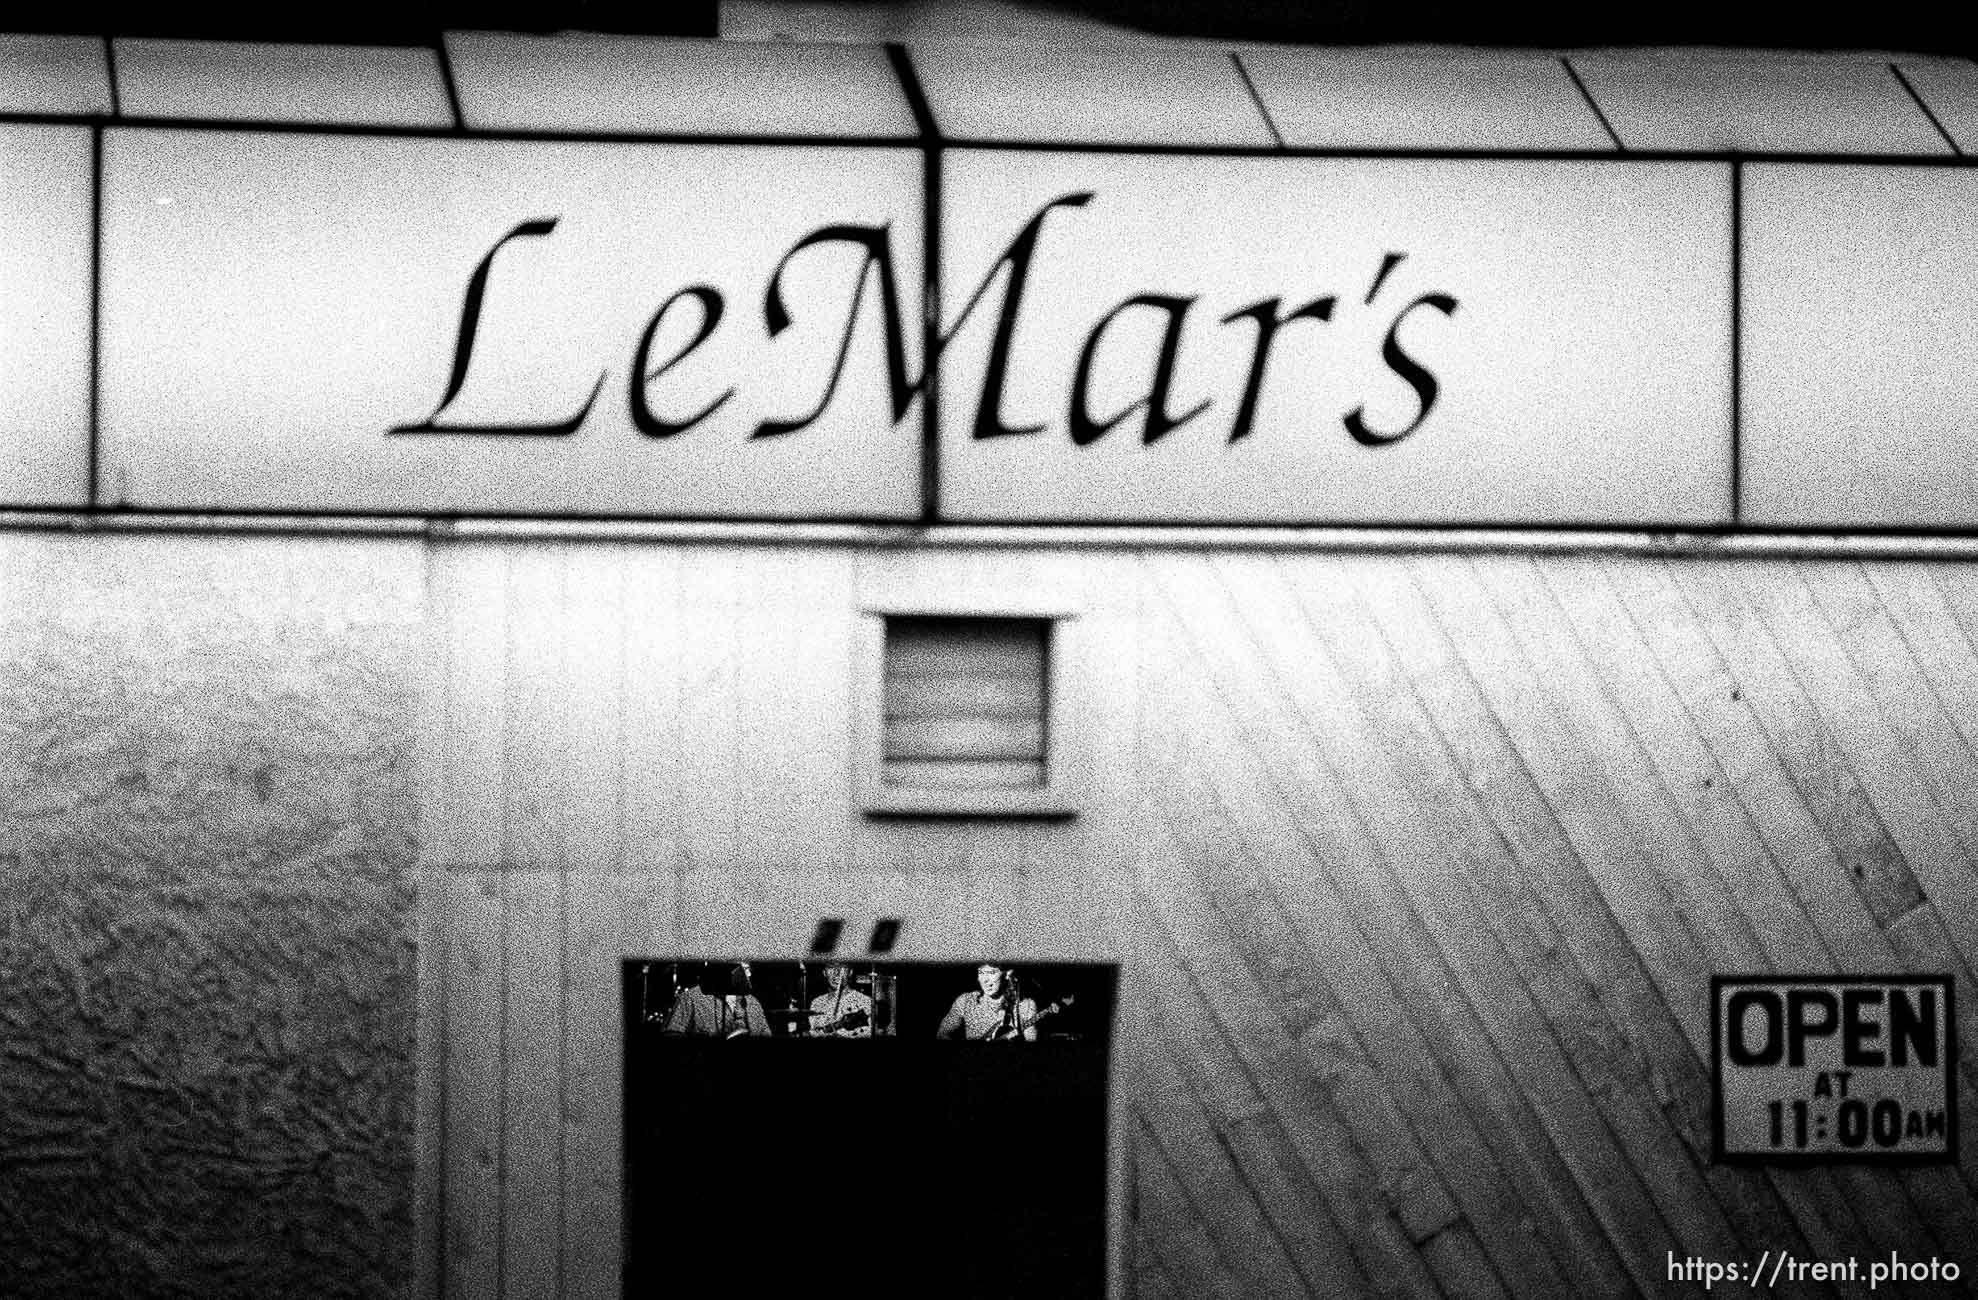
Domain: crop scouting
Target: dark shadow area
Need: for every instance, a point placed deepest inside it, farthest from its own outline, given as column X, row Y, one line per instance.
column 890, row 1165
column 1910, row 25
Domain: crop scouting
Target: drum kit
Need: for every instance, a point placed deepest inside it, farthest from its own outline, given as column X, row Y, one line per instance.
column 657, row 996
column 882, row 988
column 661, row 984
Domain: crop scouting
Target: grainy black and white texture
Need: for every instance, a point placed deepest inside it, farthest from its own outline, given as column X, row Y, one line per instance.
column 206, row 917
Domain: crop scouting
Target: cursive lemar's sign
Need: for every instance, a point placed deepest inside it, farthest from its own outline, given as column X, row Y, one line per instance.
column 1337, row 340
column 874, row 247
column 433, row 326
column 276, row 306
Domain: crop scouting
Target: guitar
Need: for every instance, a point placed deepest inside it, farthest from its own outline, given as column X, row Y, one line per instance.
column 1006, row 1031
column 855, row 1019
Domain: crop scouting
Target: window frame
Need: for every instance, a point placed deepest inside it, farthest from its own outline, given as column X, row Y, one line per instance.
column 1065, row 732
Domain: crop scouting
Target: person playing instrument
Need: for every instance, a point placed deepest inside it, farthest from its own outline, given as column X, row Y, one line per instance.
column 734, row 1014
column 844, row 1012
column 994, row 1013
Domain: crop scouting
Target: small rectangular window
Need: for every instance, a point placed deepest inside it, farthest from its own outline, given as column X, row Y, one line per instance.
column 965, row 714
column 965, row 702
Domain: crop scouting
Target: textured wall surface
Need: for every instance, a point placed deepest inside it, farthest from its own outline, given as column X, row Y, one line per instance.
column 206, row 916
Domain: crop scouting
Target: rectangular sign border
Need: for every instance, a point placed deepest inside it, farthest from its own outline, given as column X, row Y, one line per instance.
column 916, row 511
column 1730, row 522
column 932, row 146
column 1718, row 1156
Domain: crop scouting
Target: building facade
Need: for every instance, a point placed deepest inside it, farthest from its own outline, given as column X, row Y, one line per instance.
column 1491, row 530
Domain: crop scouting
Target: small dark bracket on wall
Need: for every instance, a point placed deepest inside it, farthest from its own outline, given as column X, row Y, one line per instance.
column 824, row 939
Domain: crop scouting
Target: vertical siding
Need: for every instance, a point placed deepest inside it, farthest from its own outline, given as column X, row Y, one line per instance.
column 645, row 751
column 1419, row 867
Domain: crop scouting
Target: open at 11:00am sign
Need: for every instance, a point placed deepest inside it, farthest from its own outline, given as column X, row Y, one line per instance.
column 1834, row 1067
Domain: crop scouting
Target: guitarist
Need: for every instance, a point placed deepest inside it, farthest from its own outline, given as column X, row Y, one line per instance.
column 992, row 1013
column 844, row 1012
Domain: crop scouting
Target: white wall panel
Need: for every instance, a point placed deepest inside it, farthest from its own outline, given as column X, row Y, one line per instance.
column 1376, row 99
column 276, row 305
column 1722, row 103
column 1949, row 87
column 626, row 85
column 44, row 315
column 62, row 75
column 346, row 85
column 1859, row 341
column 1562, row 351
column 1097, row 92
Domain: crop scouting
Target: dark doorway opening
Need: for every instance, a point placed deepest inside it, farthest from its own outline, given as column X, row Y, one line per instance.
column 891, row 1163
